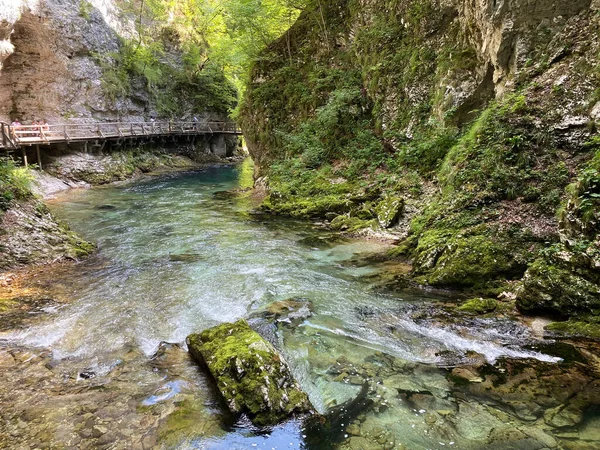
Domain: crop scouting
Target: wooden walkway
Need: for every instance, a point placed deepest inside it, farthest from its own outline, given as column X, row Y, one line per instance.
column 12, row 138
column 28, row 135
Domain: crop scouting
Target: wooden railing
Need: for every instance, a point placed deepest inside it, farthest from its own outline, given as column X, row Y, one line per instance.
column 13, row 137
column 6, row 136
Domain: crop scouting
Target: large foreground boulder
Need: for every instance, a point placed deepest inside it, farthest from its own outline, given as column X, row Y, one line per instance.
column 251, row 375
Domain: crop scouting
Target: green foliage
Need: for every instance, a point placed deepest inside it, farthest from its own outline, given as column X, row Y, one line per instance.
column 115, row 78
column 85, row 9
column 230, row 34
column 425, row 151
column 337, row 131
column 479, row 305
column 15, row 183
column 584, row 196
column 207, row 89
column 503, row 156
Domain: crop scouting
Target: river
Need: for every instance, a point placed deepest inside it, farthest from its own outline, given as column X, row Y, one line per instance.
column 108, row 368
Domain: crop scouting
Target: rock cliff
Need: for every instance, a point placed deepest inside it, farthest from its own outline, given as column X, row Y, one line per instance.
column 480, row 115
column 79, row 60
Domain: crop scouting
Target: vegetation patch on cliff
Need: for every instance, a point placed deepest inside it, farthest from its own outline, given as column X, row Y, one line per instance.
column 359, row 103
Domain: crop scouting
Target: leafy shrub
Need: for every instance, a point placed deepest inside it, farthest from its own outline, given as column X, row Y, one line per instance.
column 14, row 183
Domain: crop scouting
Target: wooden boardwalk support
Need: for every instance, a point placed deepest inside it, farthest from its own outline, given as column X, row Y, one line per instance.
column 29, row 135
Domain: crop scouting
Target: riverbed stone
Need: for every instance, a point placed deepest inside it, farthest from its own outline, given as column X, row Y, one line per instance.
column 6, row 359
column 250, row 374
column 290, row 310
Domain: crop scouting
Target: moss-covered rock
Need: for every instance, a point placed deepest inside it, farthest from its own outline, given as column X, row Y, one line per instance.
column 30, row 234
column 251, row 375
column 460, row 260
column 347, row 223
column 313, row 207
column 388, row 211
column 479, row 305
column 565, row 279
column 574, row 328
column 549, row 288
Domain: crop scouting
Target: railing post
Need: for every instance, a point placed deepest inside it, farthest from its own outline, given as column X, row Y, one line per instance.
column 39, row 156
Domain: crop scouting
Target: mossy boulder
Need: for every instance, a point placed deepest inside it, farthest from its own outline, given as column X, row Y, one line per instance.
column 309, row 207
column 389, row 210
column 466, row 260
column 550, row 288
column 479, row 305
column 250, row 374
column 350, row 224
column 574, row 328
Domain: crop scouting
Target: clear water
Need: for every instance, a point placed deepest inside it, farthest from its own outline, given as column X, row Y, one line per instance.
column 174, row 259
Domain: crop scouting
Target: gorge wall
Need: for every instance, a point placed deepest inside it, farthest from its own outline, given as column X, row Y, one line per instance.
column 79, row 60
column 474, row 121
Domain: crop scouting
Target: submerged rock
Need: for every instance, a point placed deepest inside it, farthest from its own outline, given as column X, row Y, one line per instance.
column 186, row 257
column 250, row 374
column 323, row 431
column 291, row 310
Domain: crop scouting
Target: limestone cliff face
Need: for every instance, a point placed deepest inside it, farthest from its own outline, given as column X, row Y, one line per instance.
column 56, row 58
column 481, row 114
column 423, row 61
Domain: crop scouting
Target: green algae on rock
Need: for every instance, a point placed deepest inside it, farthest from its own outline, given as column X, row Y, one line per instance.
column 250, row 374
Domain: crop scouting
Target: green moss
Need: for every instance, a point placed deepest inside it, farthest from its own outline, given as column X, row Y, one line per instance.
column 350, row 224
column 471, row 257
column 573, row 328
column 389, row 210
column 7, row 305
column 550, row 288
column 250, row 373
column 85, row 9
column 479, row 305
